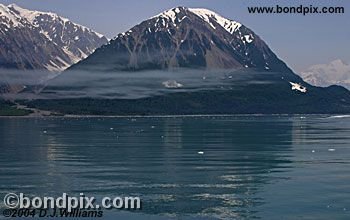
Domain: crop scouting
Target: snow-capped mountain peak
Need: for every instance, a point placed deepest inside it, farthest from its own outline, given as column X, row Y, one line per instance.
column 207, row 15
column 186, row 37
column 170, row 14
column 32, row 16
column 28, row 14
column 337, row 72
column 71, row 42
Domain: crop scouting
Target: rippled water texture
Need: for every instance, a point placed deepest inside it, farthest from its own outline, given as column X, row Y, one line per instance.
column 269, row 167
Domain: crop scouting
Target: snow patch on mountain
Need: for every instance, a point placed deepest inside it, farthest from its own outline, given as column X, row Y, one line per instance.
column 207, row 15
column 169, row 14
column 248, row 38
column 12, row 18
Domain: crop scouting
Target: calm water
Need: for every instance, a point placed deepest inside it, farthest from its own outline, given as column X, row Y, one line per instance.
column 268, row 167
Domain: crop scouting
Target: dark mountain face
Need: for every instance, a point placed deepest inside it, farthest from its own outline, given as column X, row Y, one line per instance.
column 40, row 40
column 184, row 37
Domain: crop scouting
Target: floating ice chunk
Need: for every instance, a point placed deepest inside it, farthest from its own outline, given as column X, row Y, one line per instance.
column 298, row 87
column 200, row 152
column 172, row 84
column 313, row 151
column 340, row 116
column 331, row 149
column 45, row 132
column 111, row 129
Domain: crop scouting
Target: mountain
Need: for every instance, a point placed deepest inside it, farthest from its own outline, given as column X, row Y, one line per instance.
column 336, row 72
column 42, row 40
column 186, row 61
column 185, row 37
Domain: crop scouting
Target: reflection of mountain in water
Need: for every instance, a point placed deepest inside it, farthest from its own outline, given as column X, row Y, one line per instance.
column 155, row 158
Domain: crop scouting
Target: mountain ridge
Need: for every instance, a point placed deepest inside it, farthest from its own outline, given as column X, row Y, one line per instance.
column 185, row 37
column 163, row 65
column 43, row 40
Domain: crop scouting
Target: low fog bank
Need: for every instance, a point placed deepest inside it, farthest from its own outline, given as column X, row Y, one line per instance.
column 26, row 77
column 129, row 85
column 13, row 82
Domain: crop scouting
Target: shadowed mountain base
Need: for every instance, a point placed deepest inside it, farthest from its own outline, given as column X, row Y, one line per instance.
column 253, row 99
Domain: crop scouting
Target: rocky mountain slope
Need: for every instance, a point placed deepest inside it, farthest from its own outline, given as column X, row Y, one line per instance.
column 185, row 37
column 42, row 40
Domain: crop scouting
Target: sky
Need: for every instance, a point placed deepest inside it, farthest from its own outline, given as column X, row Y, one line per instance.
column 300, row 41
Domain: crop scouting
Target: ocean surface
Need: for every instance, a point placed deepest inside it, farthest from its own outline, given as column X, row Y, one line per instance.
column 204, row 167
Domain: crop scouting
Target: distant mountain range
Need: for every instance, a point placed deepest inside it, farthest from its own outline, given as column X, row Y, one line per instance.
column 42, row 40
column 180, row 43
column 336, row 72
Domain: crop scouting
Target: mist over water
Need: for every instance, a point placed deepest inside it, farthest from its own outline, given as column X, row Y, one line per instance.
column 127, row 85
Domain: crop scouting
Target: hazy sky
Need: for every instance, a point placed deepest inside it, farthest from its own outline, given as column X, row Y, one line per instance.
column 299, row 40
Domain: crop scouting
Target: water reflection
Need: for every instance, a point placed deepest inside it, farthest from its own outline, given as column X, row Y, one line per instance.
column 155, row 158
